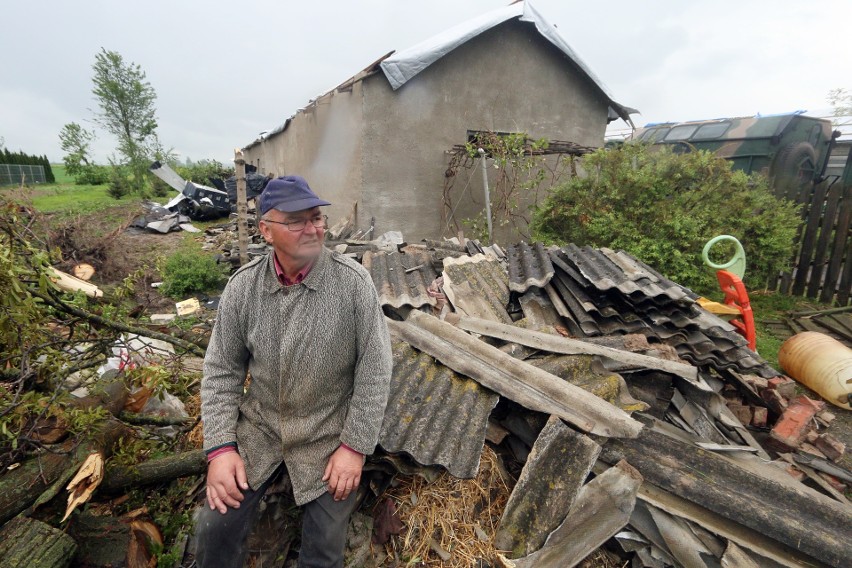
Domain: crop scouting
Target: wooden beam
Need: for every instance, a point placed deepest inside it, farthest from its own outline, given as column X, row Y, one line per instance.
column 564, row 345
column 242, row 206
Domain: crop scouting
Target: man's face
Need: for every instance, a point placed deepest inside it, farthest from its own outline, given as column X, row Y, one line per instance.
column 305, row 244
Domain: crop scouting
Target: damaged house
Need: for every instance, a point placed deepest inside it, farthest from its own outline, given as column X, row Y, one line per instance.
column 382, row 137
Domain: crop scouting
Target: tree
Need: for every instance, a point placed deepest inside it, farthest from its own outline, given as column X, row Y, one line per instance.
column 841, row 104
column 662, row 207
column 126, row 102
column 75, row 142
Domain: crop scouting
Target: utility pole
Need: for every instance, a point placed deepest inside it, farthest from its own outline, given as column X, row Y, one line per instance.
column 487, row 193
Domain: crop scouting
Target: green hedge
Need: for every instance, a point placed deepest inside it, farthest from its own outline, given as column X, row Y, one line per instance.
column 663, row 207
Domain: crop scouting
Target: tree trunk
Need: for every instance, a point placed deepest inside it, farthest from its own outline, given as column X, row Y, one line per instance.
column 20, row 487
column 31, row 543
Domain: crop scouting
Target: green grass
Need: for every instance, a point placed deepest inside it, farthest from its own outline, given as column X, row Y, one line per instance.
column 60, row 174
column 774, row 306
column 68, row 199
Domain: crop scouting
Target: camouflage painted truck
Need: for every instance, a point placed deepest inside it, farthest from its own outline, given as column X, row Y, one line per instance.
column 793, row 150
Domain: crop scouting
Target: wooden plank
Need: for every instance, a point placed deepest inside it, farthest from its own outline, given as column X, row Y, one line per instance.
column 68, row 283
column 829, row 220
column 831, row 326
column 838, row 248
column 843, row 288
column 804, row 265
column 602, row 508
column 517, row 380
column 566, row 346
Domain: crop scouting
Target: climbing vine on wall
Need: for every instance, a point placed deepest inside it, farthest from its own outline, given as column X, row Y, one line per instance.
column 521, row 170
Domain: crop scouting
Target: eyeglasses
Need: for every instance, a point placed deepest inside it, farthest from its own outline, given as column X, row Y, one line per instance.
column 320, row 222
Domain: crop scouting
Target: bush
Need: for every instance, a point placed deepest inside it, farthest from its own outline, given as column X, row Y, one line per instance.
column 186, row 273
column 202, row 170
column 119, row 182
column 92, row 175
column 663, row 207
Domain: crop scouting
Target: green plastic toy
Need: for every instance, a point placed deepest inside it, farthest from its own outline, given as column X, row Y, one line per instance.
column 737, row 264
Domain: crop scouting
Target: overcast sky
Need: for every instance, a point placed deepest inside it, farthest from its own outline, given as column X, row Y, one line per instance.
column 225, row 71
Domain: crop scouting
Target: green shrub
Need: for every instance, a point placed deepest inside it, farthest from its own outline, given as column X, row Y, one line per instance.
column 663, row 207
column 120, row 184
column 202, row 170
column 186, row 273
column 92, row 175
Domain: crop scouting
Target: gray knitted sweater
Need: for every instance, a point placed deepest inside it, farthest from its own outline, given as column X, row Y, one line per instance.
column 319, row 356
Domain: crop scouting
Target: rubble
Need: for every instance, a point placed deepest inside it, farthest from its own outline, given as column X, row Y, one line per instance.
column 629, row 415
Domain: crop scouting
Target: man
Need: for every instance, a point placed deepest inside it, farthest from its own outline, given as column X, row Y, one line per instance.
column 306, row 323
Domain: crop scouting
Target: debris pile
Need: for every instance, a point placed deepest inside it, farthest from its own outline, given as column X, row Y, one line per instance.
column 628, row 414
column 545, row 402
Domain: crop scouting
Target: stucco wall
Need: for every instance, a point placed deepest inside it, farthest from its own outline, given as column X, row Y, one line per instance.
column 509, row 79
column 388, row 149
column 323, row 144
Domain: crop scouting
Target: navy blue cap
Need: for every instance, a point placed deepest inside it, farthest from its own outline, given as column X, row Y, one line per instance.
column 289, row 194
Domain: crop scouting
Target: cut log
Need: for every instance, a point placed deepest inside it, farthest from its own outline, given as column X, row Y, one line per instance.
column 155, row 471
column 34, row 544
column 517, row 380
column 556, row 469
column 602, row 508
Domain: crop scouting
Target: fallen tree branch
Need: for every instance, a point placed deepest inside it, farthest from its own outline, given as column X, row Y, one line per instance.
column 138, row 419
column 188, row 346
column 155, row 471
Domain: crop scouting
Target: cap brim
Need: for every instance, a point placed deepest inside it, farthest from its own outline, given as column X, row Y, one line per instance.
column 300, row 204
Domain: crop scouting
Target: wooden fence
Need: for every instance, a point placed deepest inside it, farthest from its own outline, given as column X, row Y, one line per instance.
column 822, row 266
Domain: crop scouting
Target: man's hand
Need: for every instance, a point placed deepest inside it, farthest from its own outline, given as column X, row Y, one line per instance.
column 343, row 472
column 226, row 475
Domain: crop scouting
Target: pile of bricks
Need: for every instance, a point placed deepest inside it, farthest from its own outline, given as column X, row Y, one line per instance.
column 800, row 423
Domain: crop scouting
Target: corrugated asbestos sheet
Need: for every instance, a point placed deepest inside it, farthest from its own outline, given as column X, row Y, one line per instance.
column 477, row 286
column 434, row 414
column 607, row 292
column 607, row 270
column 529, row 265
column 401, row 279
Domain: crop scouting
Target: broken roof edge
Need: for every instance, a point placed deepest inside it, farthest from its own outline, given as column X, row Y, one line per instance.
column 404, row 65
column 368, row 71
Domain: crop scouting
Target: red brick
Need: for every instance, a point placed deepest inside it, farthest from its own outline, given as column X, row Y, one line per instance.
column 785, row 386
column 795, row 423
column 743, row 413
column 759, row 417
column 776, row 402
column 830, row 446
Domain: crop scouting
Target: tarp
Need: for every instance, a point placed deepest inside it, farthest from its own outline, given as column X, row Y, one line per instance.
column 403, row 65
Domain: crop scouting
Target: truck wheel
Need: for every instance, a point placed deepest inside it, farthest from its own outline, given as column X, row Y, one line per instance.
column 795, row 168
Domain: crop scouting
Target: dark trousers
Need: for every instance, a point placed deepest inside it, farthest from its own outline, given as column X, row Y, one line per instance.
column 221, row 539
